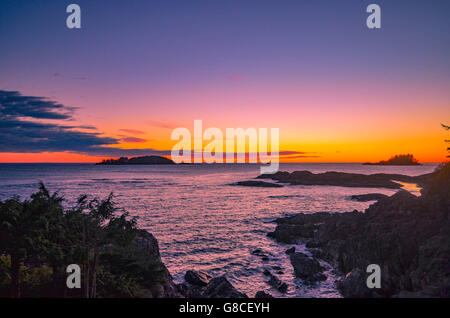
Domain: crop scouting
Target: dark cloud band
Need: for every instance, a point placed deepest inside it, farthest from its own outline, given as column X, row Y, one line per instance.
column 21, row 130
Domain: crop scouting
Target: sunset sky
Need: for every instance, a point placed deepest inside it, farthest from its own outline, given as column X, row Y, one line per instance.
column 337, row 91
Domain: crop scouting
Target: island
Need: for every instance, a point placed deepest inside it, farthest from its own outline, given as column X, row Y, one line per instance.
column 145, row 160
column 397, row 160
column 344, row 179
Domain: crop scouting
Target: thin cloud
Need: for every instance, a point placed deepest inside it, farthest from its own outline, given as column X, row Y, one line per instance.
column 132, row 131
column 133, row 139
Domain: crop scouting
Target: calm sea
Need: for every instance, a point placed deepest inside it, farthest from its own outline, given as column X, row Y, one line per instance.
column 201, row 221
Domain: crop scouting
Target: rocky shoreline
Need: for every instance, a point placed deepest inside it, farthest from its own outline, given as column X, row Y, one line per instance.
column 197, row 284
column 407, row 236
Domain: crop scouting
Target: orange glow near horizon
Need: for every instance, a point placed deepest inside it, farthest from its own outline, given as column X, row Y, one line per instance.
column 343, row 125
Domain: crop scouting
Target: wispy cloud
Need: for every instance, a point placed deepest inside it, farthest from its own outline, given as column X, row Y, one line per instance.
column 132, row 131
column 133, row 139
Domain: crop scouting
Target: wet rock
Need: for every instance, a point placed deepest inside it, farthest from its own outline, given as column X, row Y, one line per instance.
column 263, row 294
column 307, row 268
column 290, row 250
column 258, row 252
column 290, row 233
column 263, row 184
column 220, row 287
column 368, row 197
column 197, row 278
column 275, row 282
column 264, row 255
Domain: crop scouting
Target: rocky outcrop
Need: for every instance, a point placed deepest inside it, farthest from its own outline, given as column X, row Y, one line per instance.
column 166, row 288
column 263, row 184
column 290, row 250
column 263, row 294
column 275, row 282
column 343, row 179
column 218, row 287
column 197, row 278
column 307, row 268
column 353, row 285
column 368, row 197
column 407, row 236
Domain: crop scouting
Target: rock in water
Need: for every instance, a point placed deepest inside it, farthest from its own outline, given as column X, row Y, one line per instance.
column 259, row 184
column 220, row 287
column 197, row 278
column 277, row 283
column 307, row 268
column 263, row 294
column 368, row 197
column 290, row 250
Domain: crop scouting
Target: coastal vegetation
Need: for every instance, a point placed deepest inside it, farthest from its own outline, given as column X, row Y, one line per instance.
column 39, row 239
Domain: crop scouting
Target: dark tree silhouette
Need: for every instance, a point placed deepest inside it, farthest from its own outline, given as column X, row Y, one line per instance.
column 38, row 233
column 447, row 128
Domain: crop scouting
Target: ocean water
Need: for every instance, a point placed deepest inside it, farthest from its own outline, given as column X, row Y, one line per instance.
column 203, row 222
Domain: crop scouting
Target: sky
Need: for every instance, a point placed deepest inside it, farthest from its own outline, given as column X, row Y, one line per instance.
column 337, row 91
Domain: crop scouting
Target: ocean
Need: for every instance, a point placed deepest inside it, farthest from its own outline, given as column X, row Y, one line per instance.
column 200, row 219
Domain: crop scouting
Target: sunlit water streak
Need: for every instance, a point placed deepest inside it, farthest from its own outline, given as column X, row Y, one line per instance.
column 201, row 221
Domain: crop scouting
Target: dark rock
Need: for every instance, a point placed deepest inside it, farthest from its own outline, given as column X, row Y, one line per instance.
column 353, row 285
column 275, row 282
column 408, row 236
column 289, row 233
column 368, row 197
column 263, row 184
column 307, row 268
column 166, row 288
column 290, row 250
column 148, row 243
column 197, row 278
column 266, row 272
column 220, row 287
column 145, row 160
column 258, row 252
column 343, row 179
column 263, row 294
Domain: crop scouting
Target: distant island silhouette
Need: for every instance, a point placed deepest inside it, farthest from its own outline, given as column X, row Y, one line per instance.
column 397, row 160
column 145, row 160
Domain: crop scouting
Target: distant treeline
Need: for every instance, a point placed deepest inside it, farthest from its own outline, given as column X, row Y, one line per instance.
column 398, row 160
column 146, row 160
